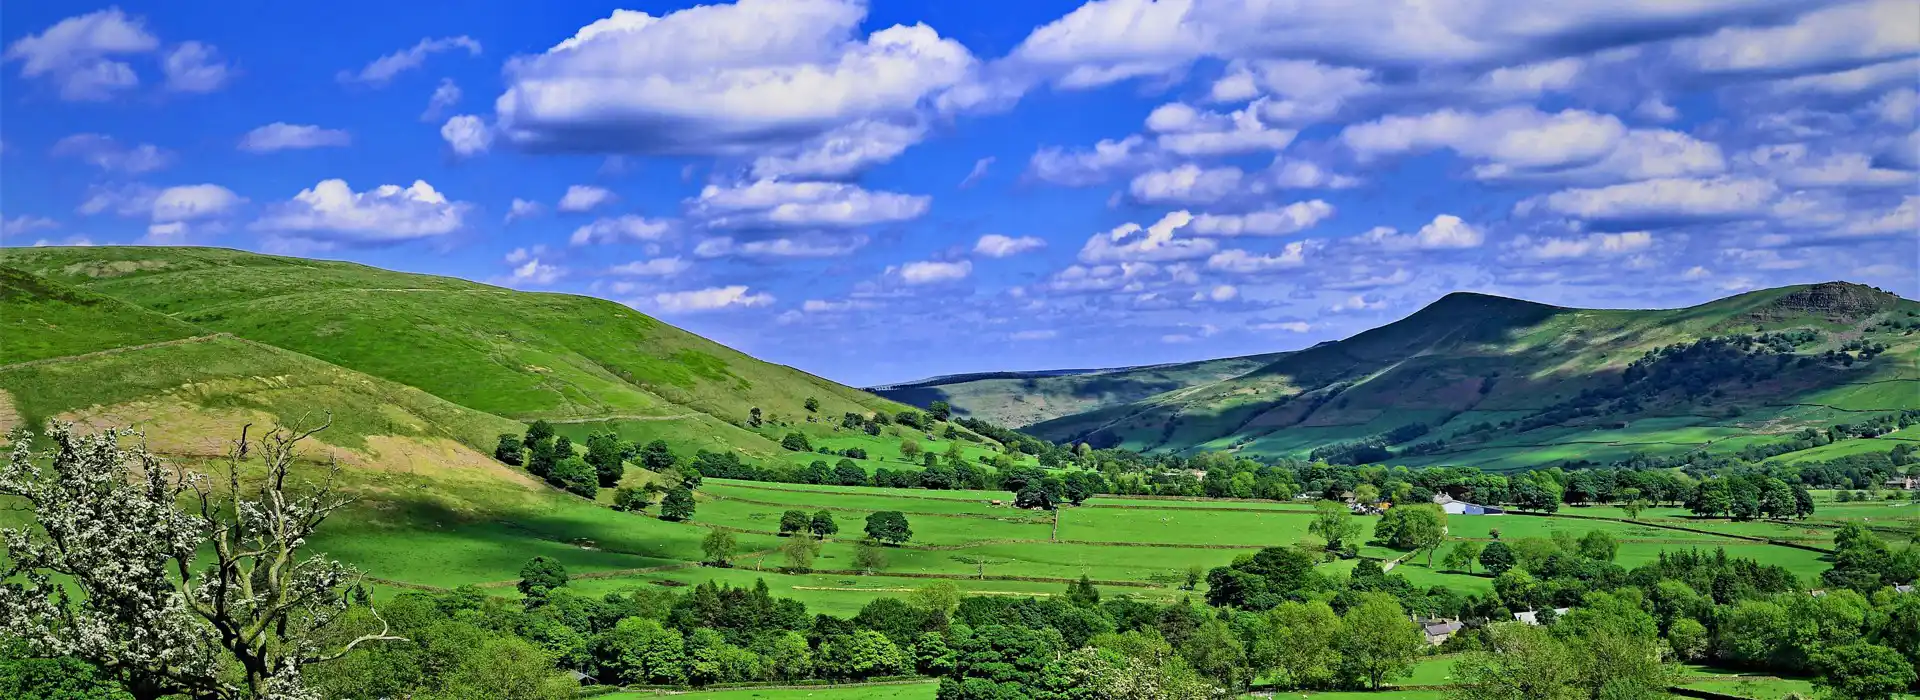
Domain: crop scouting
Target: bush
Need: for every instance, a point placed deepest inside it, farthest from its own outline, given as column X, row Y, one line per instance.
column 796, row 442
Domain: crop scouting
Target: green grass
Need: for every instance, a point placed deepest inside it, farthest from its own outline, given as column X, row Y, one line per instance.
column 41, row 319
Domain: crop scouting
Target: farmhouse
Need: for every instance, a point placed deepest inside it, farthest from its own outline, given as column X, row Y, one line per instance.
column 1909, row 483
column 1438, row 631
column 1453, row 507
column 1532, row 617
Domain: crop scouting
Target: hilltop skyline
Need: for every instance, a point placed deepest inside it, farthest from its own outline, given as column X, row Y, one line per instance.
column 879, row 194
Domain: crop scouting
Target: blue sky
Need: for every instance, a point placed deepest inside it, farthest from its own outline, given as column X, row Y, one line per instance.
column 879, row 193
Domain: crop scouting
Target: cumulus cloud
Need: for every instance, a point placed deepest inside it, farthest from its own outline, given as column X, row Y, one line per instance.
column 193, row 202
column 622, row 229
column 581, row 198
column 710, row 299
column 467, row 135
column 522, row 208
column 534, row 272
column 194, row 67
column 804, row 246
column 724, row 79
column 1446, row 231
column 1106, row 159
column 77, row 54
column 1300, row 91
column 1359, row 302
column 1659, row 200
column 979, row 171
column 332, row 211
column 932, row 272
column 1596, row 245
column 1851, row 33
column 1034, row 334
column 1277, row 221
column 657, row 267
column 1242, row 262
column 1519, row 137
column 280, row 136
column 843, row 152
column 1187, row 184
column 1293, row 173
column 25, row 224
column 1902, row 219
column 1155, row 243
column 994, row 245
column 1288, row 326
column 1796, row 165
column 106, row 153
column 1188, row 131
column 383, row 69
column 778, row 204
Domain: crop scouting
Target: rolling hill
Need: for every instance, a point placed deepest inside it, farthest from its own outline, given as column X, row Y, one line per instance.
column 514, row 356
column 1503, row 383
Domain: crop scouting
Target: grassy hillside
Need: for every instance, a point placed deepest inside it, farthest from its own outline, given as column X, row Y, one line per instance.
column 1503, row 383
column 1024, row 398
column 513, row 354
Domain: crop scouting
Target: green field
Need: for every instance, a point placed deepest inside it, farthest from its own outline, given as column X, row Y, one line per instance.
column 892, row 691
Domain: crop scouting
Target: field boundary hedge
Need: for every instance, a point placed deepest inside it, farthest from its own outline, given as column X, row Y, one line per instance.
column 1679, row 528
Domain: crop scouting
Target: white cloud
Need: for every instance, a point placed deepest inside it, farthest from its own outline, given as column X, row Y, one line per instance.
column 1795, row 165
column 1446, row 231
column 444, row 97
column 657, row 267
column 1851, row 33
column 388, row 213
column 1530, row 81
column 1034, row 334
column 1696, row 272
column 520, row 255
column 724, row 79
column 1288, row 326
column 1219, row 293
column 1660, row 200
column 1595, row 245
column 106, row 153
column 1107, row 41
column 581, row 198
column 1641, row 154
column 1246, row 263
column 26, row 224
column 1903, row 219
column 1293, row 173
column 994, row 245
column 1187, row 184
column 710, row 299
column 1188, row 131
column 1203, row 330
column 1518, row 137
column 467, row 135
column 76, row 54
column 822, row 306
column 771, row 203
column 1852, row 80
column 622, row 229
column 384, row 68
column 1302, row 91
column 979, row 171
column 1080, row 168
column 534, row 272
column 522, row 208
column 842, row 152
column 932, row 272
column 193, row 203
column 1156, row 243
column 1898, row 107
column 1278, row 221
column 809, row 246
column 282, row 136
column 195, row 67
column 1358, row 302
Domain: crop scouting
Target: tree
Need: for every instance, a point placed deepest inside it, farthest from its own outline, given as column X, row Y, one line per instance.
column 1522, row 662
column 718, row 546
column 862, row 654
column 1082, row 593
column 678, row 505
column 889, row 526
column 632, row 499
column 540, row 431
column 753, row 417
column 794, row 521
column 869, row 557
column 800, row 553
column 1380, row 642
column 823, row 525
column 1632, row 502
column 940, row 410
column 1497, row 558
column 847, row 473
column 812, row 405
column 607, row 453
column 640, row 650
column 110, row 522
column 1861, row 671
column 909, row 449
column 510, row 450
column 939, row 597
column 796, row 442
column 1334, row 523
column 1463, row 556
column 576, row 476
column 540, row 576
column 1599, row 545
column 1802, row 501
column 1192, row 578
column 1300, row 643
column 1417, row 527
column 658, row 458
column 1366, row 494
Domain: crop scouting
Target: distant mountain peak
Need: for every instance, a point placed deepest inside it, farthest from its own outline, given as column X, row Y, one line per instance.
column 1835, row 300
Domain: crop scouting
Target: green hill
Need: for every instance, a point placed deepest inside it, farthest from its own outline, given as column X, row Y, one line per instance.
column 519, row 355
column 1025, row 398
column 1503, row 383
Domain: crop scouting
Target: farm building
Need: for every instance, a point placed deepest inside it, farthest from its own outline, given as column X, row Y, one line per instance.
column 1438, row 631
column 1453, row 507
column 1532, row 617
